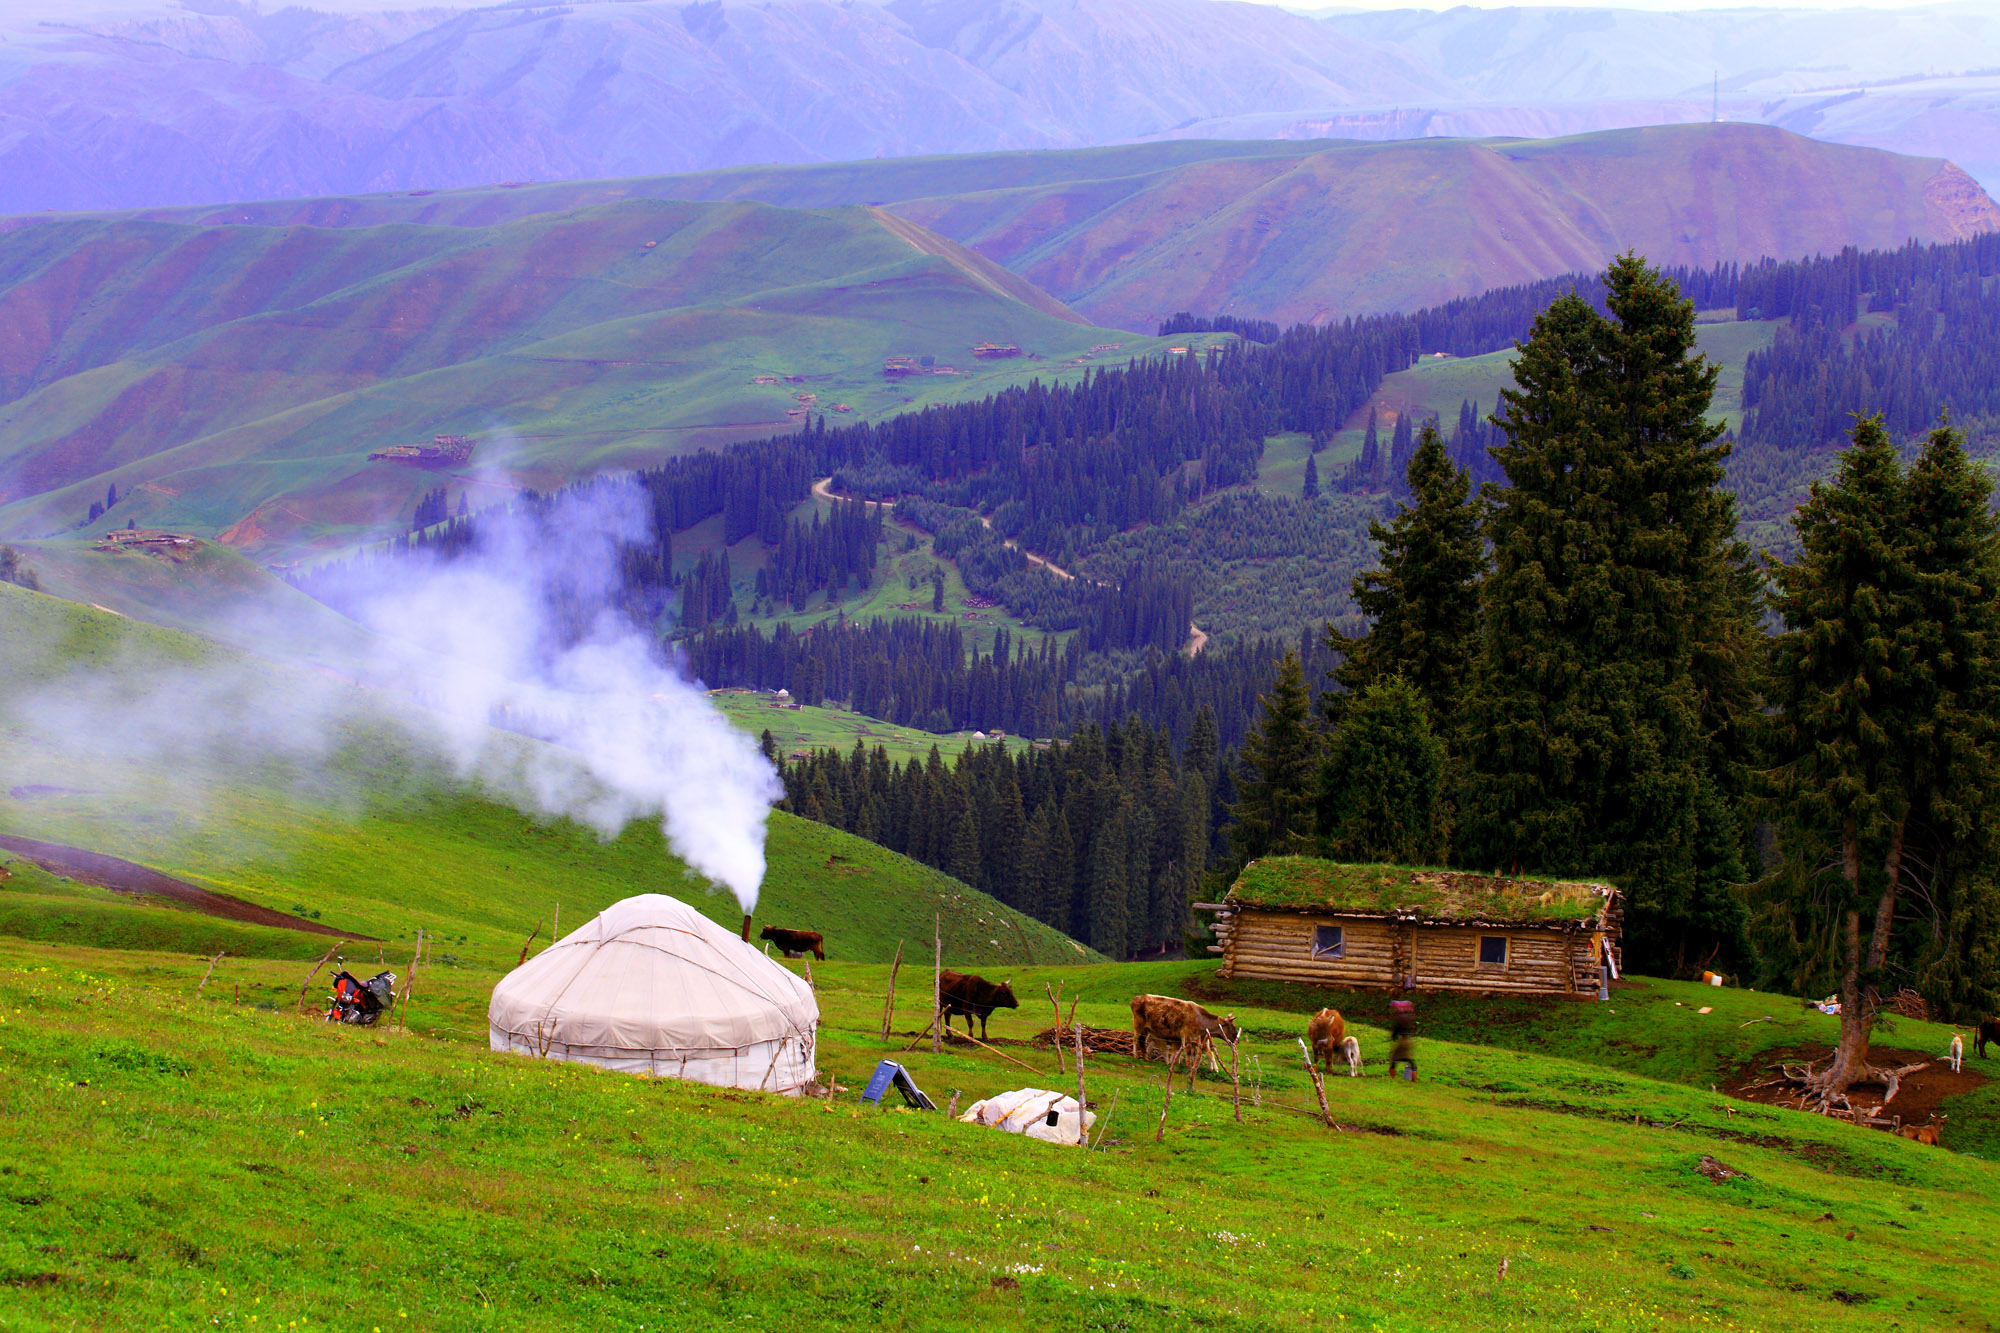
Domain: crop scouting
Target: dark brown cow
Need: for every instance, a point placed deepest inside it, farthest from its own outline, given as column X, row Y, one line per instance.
column 1988, row 1031
column 1327, row 1033
column 792, row 943
column 1180, row 1025
column 963, row 993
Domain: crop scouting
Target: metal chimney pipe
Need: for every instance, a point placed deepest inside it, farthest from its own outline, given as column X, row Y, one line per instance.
column 746, row 927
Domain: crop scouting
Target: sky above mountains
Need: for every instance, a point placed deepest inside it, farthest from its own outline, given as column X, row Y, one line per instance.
column 131, row 103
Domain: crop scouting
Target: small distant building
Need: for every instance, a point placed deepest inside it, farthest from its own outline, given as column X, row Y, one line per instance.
column 1295, row 918
column 896, row 367
column 442, row 451
column 996, row 351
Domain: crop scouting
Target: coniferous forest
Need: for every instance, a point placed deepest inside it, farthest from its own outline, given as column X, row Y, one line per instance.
column 1562, row 661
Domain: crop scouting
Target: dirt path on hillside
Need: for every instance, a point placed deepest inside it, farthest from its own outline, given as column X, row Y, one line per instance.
column 108, row 872
column 1197, row 639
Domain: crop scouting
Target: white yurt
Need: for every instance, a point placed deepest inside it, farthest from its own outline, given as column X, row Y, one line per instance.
column 651, row 986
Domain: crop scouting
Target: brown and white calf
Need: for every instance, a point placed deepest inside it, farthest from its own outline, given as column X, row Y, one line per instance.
column 1327, row 1034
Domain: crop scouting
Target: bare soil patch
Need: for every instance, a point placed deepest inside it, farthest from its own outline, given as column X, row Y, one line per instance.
column 1917, row 1098
column 119, row 876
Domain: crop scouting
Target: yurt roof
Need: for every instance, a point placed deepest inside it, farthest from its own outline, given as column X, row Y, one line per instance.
column 653, row 974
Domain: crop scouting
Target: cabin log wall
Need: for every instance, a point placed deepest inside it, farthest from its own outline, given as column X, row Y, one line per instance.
column 1380, row 952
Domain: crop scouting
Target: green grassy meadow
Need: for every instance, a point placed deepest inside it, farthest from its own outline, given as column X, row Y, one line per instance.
column 177, row 1157
column 564, row 343
column 810, row 727
column 379, row 839
column 181, row 1153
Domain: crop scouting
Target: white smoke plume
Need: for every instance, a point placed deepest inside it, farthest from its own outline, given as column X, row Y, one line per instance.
column 524, row 628
column 630, row 738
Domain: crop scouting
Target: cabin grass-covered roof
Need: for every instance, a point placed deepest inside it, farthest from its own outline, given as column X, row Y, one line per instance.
column 1305, row 884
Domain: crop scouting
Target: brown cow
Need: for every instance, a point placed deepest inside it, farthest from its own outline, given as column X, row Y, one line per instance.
column 792, row 943
column 1327, row 1033
column 1180, row 1024
column 963, row 993
column 1988, row 1031
column 1921, row 1133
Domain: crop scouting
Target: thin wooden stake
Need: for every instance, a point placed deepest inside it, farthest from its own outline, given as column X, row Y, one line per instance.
column 889, row 1004
column 1002, row 1054
column 810, row 985
column 951, row 1111
column 1235, row 1087
column 529, row 944
column 307, row 984
column 937, row 983
column 409, row 982
column 1319, row 1086
column 1082, row 1102
column 1055, row 1002
column 555, row 931
column 1104, row 1125
column 1160, row 1134
column 211, row 968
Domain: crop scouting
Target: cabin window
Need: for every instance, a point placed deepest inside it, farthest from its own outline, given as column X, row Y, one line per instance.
column 1493, row 951
column 1329, row 942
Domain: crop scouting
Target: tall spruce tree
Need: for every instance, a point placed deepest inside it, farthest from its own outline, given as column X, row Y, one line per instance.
column 1887, row 677
column 1277, row 768
column 1381, row 786
column 1617, row 622
column 1423, row 602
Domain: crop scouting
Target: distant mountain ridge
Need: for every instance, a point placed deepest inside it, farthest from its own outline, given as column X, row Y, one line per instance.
column 1298, row 232
column 199, row 101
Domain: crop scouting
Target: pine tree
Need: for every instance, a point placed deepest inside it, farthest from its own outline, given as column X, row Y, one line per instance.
column 1423, row 603
column 1381, row 787
column 1311, row 489
column 1615, row 625
column 1277, row 768
column 1889, row 683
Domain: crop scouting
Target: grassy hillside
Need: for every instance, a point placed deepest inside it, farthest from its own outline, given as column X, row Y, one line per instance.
column 180, row 1160
column 808, row 727
column 377, row 839
column 232, row 380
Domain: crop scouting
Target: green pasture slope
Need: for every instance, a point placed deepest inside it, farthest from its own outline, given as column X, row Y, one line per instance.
column 234, row 379
column 809, row 727
column 176, row 1154
column 379, row 840
column 177, row 1157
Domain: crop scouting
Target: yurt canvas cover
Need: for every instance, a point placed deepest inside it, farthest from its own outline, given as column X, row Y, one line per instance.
column 653, row 986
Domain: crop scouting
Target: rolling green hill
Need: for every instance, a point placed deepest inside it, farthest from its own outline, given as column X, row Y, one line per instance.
column 232, row 380
column 376, row 838
column 178, row 1159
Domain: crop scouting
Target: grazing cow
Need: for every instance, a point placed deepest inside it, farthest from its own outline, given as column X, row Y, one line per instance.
column 1921, row 1133
column 793, row 943
column 1957, row 1052
column 1328, row 1034
column 1988, row 1031
column 1181, row 1025
column 963, row 993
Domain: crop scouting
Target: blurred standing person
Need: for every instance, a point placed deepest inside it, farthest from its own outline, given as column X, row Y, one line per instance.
column 1402, row 1029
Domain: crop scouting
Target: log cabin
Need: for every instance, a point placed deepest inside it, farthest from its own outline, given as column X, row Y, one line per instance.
column 1371, row 927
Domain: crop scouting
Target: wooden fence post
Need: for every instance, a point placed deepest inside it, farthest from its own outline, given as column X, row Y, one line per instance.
column 937, row 983
column 211, row 968
column 1235, row 1086
column 307, row 983
column 1319, row 1085
column 889, row 1004
column 409, row 984
column 1082, row 1102
column 1055, row 1002
column 1160, row 1134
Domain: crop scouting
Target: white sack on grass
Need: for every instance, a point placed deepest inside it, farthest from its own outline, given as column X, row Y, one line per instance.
column 1026, row 1111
